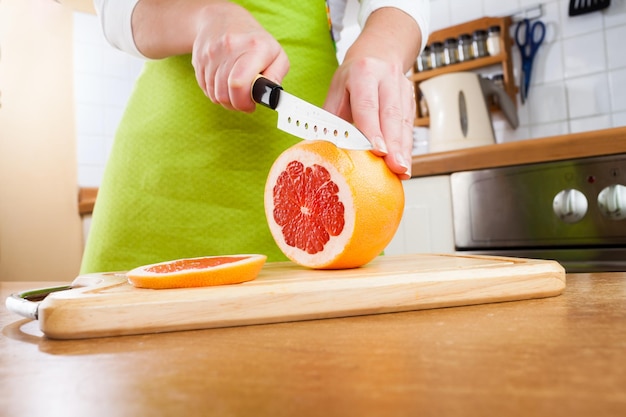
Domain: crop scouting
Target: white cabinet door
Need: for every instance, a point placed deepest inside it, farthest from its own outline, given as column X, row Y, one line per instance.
column 85, row 6
column 39, row 222
column 426, row 225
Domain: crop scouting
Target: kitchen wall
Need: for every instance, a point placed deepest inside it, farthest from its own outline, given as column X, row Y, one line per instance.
column 578, row 80
column 579, row 74
column 103, row 81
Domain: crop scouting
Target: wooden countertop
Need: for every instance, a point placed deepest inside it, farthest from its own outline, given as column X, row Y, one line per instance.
column 556, row 148
column 579, row 145
column 560, row 356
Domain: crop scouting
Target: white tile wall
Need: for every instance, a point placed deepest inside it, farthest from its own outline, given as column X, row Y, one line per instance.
column 578, row 79
column 103, row 80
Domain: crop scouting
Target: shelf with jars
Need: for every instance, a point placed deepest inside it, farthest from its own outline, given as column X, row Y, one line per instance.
column 479, row 45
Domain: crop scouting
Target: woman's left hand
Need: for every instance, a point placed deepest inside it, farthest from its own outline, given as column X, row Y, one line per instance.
column 371, row 89
column 378, row 98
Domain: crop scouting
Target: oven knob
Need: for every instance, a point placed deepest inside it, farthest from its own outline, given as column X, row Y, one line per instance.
column 570, row 205
column 612, row 202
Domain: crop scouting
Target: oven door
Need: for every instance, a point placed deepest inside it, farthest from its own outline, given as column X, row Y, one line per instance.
column 570, row 211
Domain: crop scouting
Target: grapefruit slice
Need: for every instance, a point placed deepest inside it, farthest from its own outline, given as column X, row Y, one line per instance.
column 197, row 272
column 332, row 208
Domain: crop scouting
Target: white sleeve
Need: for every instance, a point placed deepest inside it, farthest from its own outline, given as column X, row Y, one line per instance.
column 418, row 9
column 115, row 19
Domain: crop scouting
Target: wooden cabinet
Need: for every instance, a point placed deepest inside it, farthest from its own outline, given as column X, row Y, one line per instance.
column 501, row 61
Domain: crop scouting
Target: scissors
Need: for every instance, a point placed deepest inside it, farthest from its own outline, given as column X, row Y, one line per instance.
column 528, row 43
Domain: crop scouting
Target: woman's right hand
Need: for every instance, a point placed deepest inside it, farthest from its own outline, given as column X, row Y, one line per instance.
column 230, row 49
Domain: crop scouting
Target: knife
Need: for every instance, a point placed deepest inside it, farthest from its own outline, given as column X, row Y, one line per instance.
column 306, row 121
column 26, row 303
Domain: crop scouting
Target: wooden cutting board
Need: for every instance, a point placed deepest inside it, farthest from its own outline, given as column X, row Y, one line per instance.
column 110, row 306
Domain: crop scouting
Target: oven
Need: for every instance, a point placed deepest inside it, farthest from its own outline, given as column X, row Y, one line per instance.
column 571, row 211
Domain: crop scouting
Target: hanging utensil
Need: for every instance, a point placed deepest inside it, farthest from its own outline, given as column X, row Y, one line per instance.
column 528, row 37
column 578, row 7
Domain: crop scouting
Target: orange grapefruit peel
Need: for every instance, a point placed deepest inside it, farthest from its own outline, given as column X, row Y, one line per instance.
column 198, row 272
column 332, row 208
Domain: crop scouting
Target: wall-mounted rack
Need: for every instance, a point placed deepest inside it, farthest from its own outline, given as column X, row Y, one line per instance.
column 502, row 60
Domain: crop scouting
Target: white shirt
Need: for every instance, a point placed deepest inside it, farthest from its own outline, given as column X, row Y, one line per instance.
column 115, row 18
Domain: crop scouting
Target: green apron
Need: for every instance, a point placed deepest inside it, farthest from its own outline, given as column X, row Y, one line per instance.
column 186, row 177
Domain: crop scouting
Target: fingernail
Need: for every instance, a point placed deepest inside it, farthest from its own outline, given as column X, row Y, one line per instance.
column 379, row 144
column 402, row 161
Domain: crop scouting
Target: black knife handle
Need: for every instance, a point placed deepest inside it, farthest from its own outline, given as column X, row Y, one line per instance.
column 266, row 92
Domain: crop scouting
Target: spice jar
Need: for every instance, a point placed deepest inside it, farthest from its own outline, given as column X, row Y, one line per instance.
column 423, row 106
column 465, row 47
column 436, row 55
column 479, row 44
column 498, row 80
column 450, row 51
column 493, row 40
column 423, row 61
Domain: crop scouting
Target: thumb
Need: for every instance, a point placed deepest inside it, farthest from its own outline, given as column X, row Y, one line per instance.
column 277, row 69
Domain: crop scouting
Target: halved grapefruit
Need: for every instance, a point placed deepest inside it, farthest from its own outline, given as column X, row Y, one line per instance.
column 332, row 208
column 197, row 272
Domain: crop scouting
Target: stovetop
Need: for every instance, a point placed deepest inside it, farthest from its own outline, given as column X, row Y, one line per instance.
column 572, row 211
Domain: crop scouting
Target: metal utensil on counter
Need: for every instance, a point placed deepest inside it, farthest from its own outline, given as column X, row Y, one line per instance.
column 26, row 303
column 578, row 7
column 528, row 38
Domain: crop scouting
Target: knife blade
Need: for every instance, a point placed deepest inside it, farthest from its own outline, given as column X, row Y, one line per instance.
column 306, row 121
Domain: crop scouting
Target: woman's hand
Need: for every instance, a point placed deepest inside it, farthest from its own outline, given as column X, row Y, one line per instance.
column 379, row 99
column 229, row 52
column 229, row 47
column 370, row 87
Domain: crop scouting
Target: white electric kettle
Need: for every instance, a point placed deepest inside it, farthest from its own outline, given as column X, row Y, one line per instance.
column 459, row 115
